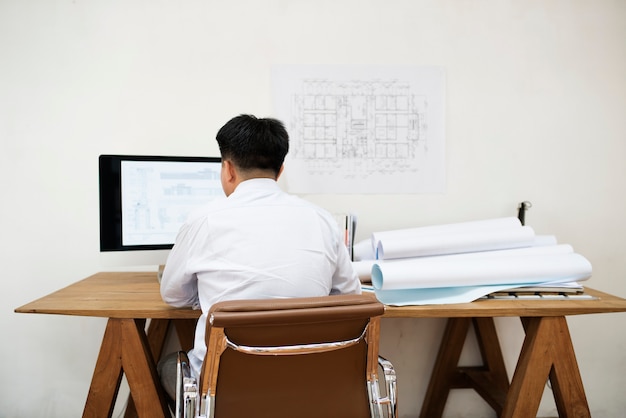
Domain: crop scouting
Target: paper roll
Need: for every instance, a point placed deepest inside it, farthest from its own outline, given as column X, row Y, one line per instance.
column 363, row 250
column 459, row 227
column 434, row 272
column 364, row 269
column 420, row 245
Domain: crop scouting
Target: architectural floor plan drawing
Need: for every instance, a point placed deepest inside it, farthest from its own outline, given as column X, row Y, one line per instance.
column 358, row 130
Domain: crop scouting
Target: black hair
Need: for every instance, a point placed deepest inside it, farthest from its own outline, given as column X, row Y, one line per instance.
column 254, row 143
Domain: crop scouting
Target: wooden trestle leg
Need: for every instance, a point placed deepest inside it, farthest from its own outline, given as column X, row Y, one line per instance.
column 489, row 380
column 547, row 353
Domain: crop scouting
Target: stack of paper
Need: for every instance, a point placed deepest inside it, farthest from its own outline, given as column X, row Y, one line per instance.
column 461, row 262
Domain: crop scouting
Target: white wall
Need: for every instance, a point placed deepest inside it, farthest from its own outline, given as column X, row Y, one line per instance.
column 536, row 98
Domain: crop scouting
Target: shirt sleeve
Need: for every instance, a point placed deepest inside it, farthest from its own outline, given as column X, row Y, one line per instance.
column 345, row 279
column 179, row 287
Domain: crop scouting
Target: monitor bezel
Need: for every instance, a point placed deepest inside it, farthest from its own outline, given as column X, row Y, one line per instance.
column 110, row 195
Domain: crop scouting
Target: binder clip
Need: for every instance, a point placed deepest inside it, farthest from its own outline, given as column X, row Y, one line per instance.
column 522, row 208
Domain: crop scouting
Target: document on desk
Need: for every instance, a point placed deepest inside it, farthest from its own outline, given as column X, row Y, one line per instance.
column 464, row 294
column 434, row 296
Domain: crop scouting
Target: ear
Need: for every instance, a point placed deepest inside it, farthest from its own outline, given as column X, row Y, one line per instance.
column 229, row 177
column 282, row 167
column 230, row 172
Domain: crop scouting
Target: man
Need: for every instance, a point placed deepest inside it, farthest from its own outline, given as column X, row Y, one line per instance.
column 259, row 242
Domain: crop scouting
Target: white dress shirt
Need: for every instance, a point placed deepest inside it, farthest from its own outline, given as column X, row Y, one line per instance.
column 259, row 242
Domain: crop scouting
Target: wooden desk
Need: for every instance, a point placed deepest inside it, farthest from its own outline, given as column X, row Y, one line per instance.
column 128, row 299
column 547, row 353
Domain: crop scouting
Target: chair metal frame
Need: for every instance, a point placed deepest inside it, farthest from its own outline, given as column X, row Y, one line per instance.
column 199, row 402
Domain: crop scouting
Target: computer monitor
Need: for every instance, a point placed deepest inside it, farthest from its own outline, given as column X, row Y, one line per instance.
column 144, row 200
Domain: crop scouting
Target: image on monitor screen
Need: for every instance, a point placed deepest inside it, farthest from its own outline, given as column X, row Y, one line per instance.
column 144, row 200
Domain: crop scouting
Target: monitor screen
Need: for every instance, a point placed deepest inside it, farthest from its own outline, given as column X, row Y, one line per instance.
column 144, row 200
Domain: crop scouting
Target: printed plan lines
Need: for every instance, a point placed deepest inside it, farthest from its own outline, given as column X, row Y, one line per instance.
column 347, row 122
column 362, row 130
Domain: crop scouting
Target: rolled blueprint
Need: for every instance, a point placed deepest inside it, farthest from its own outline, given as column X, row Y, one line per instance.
column 541, row 240
column 363, row 250
column 451, row 271
column 363, row 269
column 454, row 242
column 515, row 252
column 459, row 227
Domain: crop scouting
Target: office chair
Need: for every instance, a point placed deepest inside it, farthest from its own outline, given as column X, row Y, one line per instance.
column 300, row 357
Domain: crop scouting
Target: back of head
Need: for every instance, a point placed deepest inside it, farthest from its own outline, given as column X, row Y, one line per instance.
column 254, row 144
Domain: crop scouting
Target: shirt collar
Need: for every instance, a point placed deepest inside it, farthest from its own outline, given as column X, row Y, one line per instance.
column 257, row 184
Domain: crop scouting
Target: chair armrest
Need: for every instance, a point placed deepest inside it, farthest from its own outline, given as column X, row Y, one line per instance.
column 186, row 388
column 391, row 400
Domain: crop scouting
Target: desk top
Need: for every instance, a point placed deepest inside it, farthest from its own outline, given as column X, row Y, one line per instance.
column 137, row 295
column 110, row 295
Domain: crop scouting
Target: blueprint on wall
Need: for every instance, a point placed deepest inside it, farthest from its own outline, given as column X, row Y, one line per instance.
column 358, row 129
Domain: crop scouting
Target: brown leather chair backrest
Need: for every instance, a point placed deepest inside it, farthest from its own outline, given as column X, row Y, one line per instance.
column 328, row 384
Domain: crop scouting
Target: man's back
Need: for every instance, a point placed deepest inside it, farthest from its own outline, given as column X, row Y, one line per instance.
column 262, row 242
column 259, row 242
